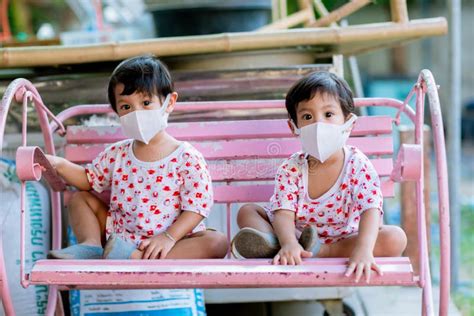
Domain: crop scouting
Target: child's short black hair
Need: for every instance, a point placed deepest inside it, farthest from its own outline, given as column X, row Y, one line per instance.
column 319, row 82
column 143, row 74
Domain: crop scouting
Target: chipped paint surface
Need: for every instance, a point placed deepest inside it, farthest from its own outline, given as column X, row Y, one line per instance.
column 209, row 273
column 214, row 146
column 96, row 130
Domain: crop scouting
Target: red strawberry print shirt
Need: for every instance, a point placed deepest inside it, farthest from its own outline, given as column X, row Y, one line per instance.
column 147, row 197
column 337, row 212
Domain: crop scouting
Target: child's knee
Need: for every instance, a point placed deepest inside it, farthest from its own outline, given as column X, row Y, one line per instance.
column 246, row 211
column 78, row 197
column 394, row 239
column 217, row 244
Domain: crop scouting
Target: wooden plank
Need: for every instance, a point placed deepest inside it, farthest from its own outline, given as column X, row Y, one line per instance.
column 263, row 192
column 211, row 273
column 218, row 130
column 205, row 83
column 243, row 149
column 222, row 43
column 265, row 169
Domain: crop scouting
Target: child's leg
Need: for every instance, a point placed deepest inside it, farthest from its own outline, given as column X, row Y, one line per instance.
column 87, row 216
column 254, row 216
column 256, row 238
column 201, row 245
column 391, row 241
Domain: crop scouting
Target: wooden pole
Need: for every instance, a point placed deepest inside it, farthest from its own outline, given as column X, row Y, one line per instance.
column 283, row 9
column 226, row 42
column 307, row 5
column 340, row 12
column 303, row 16
column 408, row 198
column 322, row 11
column 399, row 11
column 275, row 10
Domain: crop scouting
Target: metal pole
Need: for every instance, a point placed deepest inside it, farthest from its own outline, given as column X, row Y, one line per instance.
column 454, row 134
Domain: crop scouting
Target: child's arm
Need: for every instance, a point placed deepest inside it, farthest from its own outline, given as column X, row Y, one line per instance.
column 159, row 246
column 72, row 173
column 362, row 258
column 291, row 251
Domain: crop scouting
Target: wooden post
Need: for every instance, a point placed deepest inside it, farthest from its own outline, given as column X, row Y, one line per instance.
column 275, row 10
column 322, row 11
column 341, row 12
column 307, row 5
column 408, row 198
column 303, row 16
column 283, row 9
column 399, row 11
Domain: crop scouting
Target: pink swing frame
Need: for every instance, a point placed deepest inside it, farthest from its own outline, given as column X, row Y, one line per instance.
column 228, row 272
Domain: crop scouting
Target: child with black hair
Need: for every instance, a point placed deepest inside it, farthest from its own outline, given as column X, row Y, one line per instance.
column 160, row 187
column 328, row 195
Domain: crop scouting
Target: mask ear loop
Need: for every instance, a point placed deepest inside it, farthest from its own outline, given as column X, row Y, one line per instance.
column 164, row 106
column 350, row 122
column 295, row 129
column 297, row 132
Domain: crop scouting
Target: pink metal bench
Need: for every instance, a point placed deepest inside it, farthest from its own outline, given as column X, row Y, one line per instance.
column 243, row 156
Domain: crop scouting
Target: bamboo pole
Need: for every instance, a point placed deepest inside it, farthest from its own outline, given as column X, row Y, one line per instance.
column 290, row 21
column 307, row 5
column 320, row 7
column 226, row 42
column 322, row 11
column 283, row 9
column 275, row 10
column 399, row 11
column 341, row 12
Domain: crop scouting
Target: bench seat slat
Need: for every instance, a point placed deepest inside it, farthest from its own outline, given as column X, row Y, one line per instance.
column 245, row 129
column 47, row 265
column 244, row 149
column 210, row 273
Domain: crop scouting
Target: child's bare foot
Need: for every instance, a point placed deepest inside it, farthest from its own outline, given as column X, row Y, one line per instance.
column 79, row 251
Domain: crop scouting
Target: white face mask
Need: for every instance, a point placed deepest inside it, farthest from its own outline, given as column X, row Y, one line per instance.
column 321, row 140
column 143, row 125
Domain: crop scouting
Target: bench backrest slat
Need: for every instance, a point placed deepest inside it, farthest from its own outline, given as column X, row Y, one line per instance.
column 263, row 192
column 265, row 169
column 226, row 130
column 243, row 149
column 243, row 156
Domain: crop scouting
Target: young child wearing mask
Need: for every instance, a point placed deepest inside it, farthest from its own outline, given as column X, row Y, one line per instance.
column 327, row 200
column 160, row 187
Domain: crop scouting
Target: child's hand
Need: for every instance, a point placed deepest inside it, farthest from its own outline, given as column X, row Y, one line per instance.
column 156, row 247
column 291, row 254
column 362, row 261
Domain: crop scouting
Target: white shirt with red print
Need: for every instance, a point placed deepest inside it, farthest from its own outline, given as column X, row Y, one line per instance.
column 337, row 212
column 147, row 197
